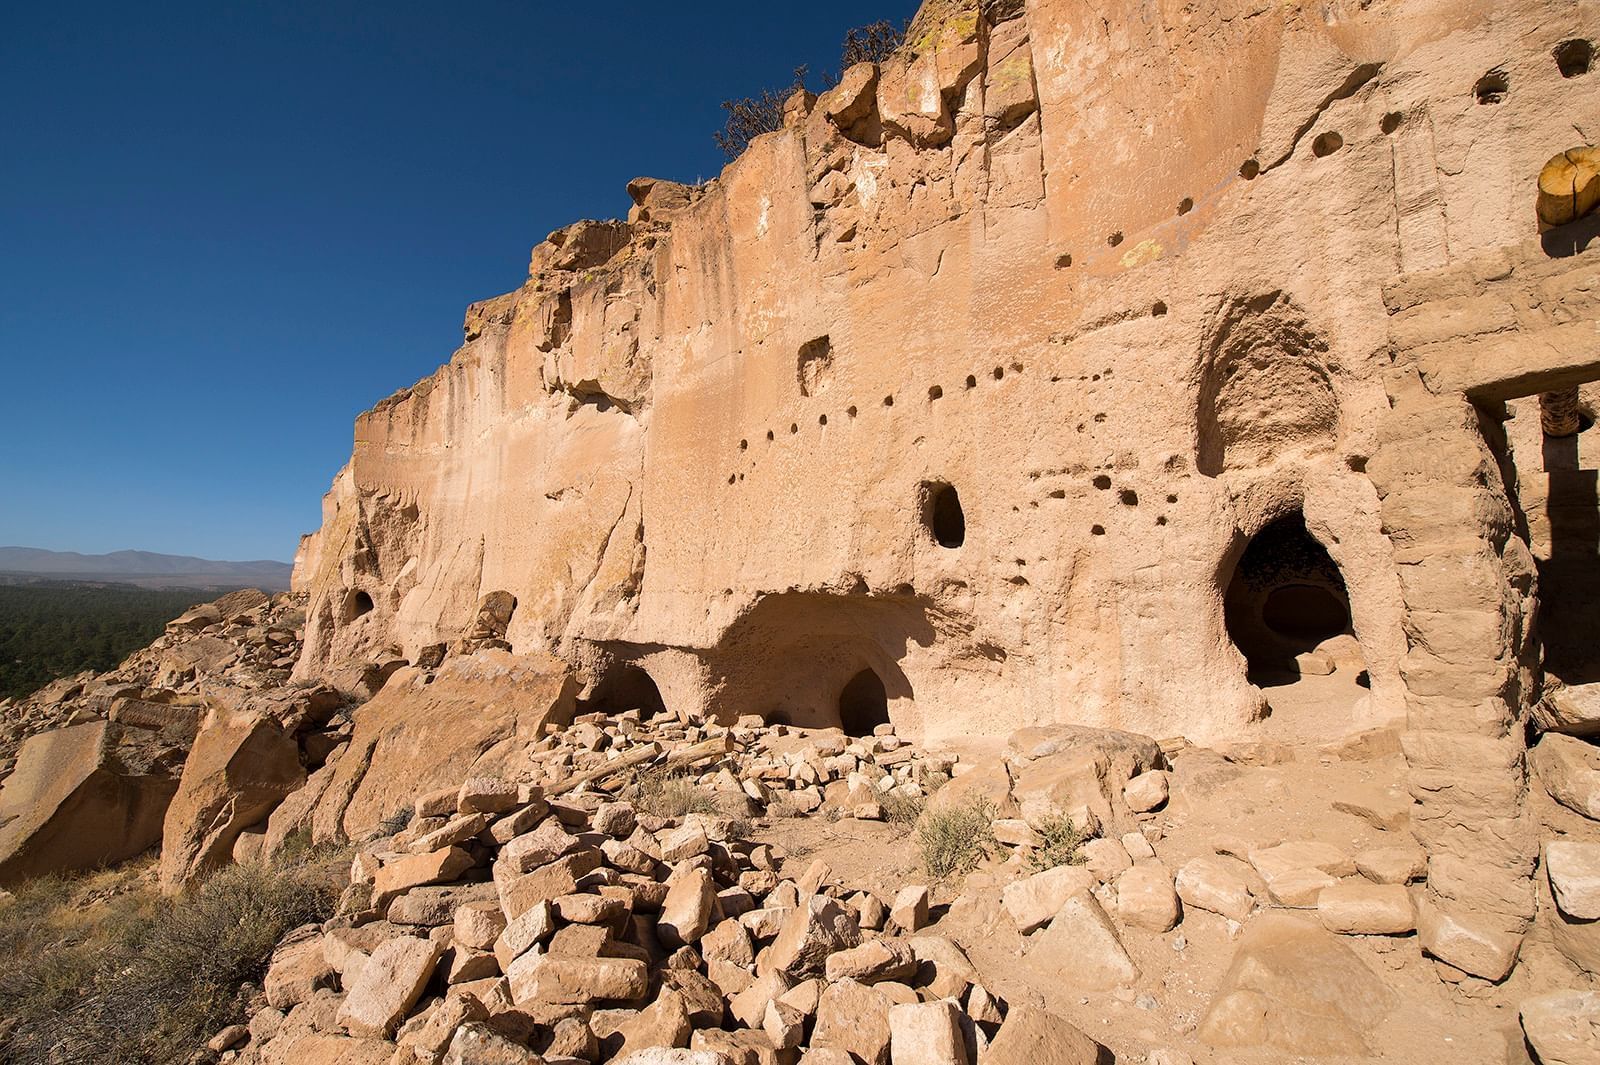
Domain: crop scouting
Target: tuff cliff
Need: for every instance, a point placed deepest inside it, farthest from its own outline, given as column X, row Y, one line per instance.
column 1116, row 276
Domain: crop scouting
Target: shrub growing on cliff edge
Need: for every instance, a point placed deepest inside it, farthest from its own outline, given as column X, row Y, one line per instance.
column 872, row 43
column 752, row 116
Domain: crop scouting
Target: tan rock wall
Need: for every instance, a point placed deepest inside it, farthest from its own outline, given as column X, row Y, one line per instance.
column 1121, row 274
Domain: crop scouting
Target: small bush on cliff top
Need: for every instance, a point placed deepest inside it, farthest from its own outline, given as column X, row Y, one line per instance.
column 101, row 968
column 752, row 116
column 872, row 43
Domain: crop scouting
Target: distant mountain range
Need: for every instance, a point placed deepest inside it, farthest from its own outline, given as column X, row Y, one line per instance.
column 144, row 568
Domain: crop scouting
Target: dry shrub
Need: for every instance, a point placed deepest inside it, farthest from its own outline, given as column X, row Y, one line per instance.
column 901, row 809
column 752, row 116
column 671, row 793
column 135, row 977
column 1062, row 843
column 872, row 43
column 954, row 840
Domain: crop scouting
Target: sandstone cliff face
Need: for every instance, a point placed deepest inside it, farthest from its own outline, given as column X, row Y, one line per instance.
column 1117, row 277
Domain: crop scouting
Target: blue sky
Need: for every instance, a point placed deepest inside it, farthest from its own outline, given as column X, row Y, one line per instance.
column 226, row 229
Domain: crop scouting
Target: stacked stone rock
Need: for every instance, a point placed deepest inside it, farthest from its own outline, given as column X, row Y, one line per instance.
column 505, row 926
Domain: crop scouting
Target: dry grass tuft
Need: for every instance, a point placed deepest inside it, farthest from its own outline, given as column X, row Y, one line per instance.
column 953, row 841
column 102, row 968
column 672, row 793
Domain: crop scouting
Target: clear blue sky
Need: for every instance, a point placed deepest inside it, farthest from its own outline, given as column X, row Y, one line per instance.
column 227, row 228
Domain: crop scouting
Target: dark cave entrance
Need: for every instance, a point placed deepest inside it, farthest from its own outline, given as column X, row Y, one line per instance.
column 626, row 688
column 863, row 704
column 1286, row 598
column 944, row 516
column 356, row 604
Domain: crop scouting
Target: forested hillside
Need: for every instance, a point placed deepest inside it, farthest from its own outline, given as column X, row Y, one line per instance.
column 51, row 629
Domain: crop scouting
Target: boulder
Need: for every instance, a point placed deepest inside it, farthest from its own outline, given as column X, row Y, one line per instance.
column 1081, row 947
column 927, row 1033
column 1212, row 883
column 423, row 732
column 84, row 796
column 1294, row 987
column 1574, row 871
column 548, row 978
column 687, row 910
column 389, row 985
column 1061, row 768
column 240, row 768
column 855, row 1018
column 1147, row 899
column 1563, row 1027
column 1569, row 769
column 813, row 931
column 1360, row 908
column 1034, row 900
column 1032, row 1036
column 873, row 961
column 1574, row 710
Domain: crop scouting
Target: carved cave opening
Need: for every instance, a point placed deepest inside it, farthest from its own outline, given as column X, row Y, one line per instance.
column 943, row 515
column 863, row 704
column 624, row 688
column 1286, row 607
column 356, row 603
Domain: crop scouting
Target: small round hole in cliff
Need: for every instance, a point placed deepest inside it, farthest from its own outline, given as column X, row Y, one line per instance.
column 1249, row 169
column 999, row 373
column 1326, row 144
column 942, row 514
column 1115, row 238
column 356, row 603
column 1574, row 57
column 1097, row 530
column 863, row 704
column 770, row 437
column 1492, row 87
column 850, row 410
column 1063, row 260
column 1101, row 481
column 935, row 393
column 888, row 401
column 972, row 382
column 1158, row 310
column 822, row 419
column 1185, row 205
column 744, row 445
column 1129, row 497
column 1391, row 122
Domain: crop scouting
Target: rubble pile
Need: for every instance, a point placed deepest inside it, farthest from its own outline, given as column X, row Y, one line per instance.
column 562, row 918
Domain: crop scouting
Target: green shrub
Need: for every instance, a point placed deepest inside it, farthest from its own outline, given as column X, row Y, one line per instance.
column 954, row 840
column 901, row 809
column 1062, row 844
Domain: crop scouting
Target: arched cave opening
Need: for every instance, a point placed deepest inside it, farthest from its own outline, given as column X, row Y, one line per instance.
column 863, row 704
column 626, row 688
column 944, row 516
column 356, row 603
column 1286, row 606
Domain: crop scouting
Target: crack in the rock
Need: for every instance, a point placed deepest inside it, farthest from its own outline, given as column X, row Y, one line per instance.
column 1352, row 84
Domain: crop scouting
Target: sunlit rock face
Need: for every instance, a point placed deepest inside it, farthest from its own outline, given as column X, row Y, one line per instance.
column 958, row 400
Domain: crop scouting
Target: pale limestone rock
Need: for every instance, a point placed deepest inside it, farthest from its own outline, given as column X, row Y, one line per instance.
column 1563, row 1027
column 479, row 924
column 390, row 984
column 1484, row 945
column 548, row 978
column 687, row 909
column 479, row 1044
column 1146, row 792
column 542, row 846
column 1034, row 900
column 663, row 1023
column 1032, row 1036
column 818, row 928
column 1211, row 883
column 871, row 962
column 1393, row 864
column 1574, row 871
column 942, row 967
column 534, row 926
column 1147, row 899
column 1294, row 987
column 664, row 1056
column 416, row 870
column 1569, row 769
column 1105, row 858
column 1082, row 949
column 910, row 909
column 854, row 1017
column 927, row 1034
column 1359, row 908
column 299, row 966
